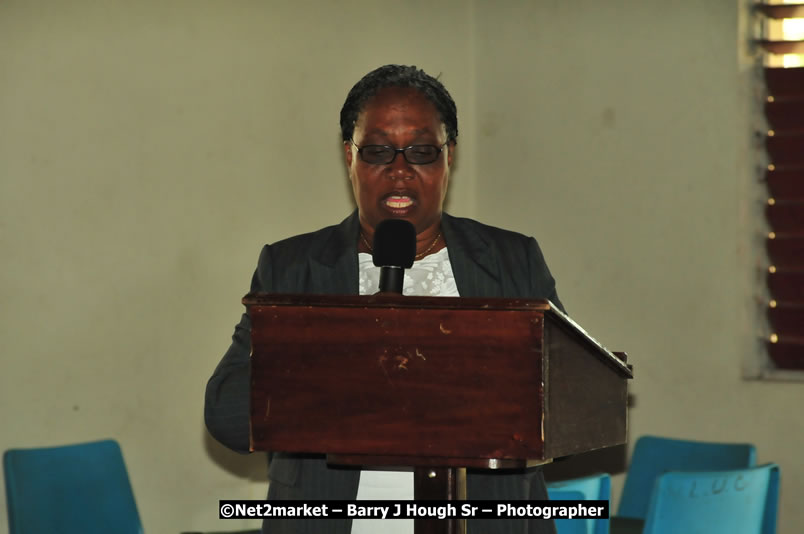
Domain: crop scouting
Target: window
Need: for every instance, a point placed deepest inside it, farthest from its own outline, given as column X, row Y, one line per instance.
column 782, row 40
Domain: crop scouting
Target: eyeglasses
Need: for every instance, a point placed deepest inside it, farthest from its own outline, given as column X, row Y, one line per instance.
column 384, row 154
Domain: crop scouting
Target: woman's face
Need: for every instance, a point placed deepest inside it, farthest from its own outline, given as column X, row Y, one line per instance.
column 399, row 117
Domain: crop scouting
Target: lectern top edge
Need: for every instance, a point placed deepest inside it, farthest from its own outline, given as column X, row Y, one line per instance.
column 613, row 358
column 445, row 303
column 396, row 301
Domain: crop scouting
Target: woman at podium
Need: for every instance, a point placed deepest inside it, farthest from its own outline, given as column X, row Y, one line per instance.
column 400, row 130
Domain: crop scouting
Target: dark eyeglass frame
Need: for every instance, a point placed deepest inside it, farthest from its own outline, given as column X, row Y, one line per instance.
column 403, row 151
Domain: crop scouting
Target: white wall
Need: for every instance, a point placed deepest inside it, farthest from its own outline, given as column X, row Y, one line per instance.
column 148, row 150
column 619, row 134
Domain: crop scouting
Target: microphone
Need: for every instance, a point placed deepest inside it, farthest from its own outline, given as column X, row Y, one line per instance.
column 394, row 251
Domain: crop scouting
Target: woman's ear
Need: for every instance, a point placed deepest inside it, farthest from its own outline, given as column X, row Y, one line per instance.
column 451, row 146
column 347, row 149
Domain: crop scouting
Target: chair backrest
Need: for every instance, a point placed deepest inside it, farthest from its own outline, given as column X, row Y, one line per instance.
column 593, row 487
column 655, row 455
column 568, row 526
column 70, row 489
column 740, row 501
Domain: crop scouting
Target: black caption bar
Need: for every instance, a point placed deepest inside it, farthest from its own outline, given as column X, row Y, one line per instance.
column 414, row 509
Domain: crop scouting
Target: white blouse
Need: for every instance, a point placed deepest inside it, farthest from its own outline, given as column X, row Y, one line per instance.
column 430, row 276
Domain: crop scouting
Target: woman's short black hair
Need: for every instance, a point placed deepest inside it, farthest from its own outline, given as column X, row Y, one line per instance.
column 398, row 76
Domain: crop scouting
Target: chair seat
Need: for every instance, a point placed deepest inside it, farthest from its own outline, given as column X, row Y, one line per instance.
column 739, row 501
column 593, row 487
column 568, row 526
column 655, row 455
column 71, row 489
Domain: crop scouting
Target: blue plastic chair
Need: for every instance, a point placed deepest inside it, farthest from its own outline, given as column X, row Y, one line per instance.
column 594, row 487
column 741, row 501
column 568, row 526
column 80, row 488
column 654, row 456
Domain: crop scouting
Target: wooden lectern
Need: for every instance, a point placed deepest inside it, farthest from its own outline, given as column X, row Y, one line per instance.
column 437, row 383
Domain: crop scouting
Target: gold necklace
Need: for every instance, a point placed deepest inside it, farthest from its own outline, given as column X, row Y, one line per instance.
column 416, row 257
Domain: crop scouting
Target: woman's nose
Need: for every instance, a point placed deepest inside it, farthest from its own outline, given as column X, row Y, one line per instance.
column 400, row 169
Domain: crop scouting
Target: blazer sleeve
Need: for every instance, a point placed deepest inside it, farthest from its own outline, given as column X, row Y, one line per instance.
column 226, row 402
column 543, row 285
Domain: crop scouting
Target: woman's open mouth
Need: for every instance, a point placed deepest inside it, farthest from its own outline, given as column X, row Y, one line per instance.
column 398, row 201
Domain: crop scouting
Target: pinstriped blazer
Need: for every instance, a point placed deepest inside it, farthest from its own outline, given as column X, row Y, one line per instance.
column 486, row 262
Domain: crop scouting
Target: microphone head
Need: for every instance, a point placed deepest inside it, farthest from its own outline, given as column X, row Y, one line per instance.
column 394, row 244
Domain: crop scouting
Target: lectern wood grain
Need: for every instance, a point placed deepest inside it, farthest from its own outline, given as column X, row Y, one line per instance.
column 447, row 380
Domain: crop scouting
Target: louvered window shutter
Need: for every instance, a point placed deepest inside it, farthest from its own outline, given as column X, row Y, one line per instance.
column 784, row 142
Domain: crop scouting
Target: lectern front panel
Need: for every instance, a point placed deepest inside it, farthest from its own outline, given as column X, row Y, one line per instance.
column 392, row 380
column 385, row 380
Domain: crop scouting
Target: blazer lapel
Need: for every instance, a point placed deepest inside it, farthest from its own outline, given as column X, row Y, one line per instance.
column 334, row 270
column 476, row 272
